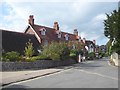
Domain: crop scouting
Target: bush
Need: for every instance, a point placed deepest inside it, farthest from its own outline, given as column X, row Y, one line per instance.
column 11, row 56
column 29, row 50
column 57, row 51
column 74, row 52
column 91, row 55
column 34, row 58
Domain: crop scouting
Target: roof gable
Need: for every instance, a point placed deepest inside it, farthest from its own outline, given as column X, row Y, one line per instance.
column 52, row 34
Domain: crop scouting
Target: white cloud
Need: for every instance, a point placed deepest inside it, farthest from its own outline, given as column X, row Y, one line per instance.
column 62, row 0
column 12, row 21
column 70, row 15
column 99, row 18
column 83, row 34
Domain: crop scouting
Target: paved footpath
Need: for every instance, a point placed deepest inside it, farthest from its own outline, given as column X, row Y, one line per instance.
column 17, row 76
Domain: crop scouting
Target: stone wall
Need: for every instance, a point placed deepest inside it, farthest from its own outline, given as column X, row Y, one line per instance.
column 115, row 58
column 39, row 64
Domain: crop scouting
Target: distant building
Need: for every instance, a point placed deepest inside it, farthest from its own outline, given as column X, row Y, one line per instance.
column 102, row 48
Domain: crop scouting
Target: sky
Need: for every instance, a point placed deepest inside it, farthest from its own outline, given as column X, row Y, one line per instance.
column 86, row 16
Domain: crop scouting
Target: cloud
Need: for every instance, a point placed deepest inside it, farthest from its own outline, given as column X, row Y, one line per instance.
column 94, row 29
column 87, row 17
column 100, row 17
column 11, row 20
column 83, row 34
column 62, row 0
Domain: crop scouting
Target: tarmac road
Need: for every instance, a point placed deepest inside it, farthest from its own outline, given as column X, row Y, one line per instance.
column 88, row 74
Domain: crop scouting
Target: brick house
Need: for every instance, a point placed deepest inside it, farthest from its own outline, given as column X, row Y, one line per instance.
column 45, row 35
column 42, row 35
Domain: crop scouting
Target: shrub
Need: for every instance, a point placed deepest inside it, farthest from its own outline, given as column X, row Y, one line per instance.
column 57, row 51
column 29, row 50
column 91, row 55
column 11, row 56
column 34, row 58
column 74, row 52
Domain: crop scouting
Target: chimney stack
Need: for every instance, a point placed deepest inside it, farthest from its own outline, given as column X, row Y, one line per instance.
column 75, row 32
column 94, row 41
column 31, row 20
column 56, row 26
column 84, row 40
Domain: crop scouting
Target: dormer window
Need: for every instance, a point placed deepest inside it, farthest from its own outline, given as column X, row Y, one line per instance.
column 66, row 37
column 59, row 34
column 79, row 40
column 43, row 31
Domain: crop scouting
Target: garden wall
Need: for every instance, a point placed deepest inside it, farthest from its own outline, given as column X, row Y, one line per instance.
column 116, row 58
column 39, row 64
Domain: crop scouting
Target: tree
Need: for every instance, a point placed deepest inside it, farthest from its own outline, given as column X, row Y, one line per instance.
column 29, row 50
column 56, row 51
column 112, row 29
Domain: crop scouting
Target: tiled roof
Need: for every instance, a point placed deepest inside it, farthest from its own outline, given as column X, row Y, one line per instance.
column 88, row 42
column 15, row 41
column 51, row 34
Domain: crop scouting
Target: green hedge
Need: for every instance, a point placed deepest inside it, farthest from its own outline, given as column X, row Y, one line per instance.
column 11, row 56
column 57, row 51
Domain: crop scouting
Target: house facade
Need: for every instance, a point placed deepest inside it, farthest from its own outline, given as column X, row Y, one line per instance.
column 45, row 35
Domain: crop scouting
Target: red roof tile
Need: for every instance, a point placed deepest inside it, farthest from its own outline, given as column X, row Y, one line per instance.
column 51, row 34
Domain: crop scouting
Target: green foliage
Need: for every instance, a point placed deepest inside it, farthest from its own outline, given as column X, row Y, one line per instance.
column 91, row 55
column 103, row 54
column 11, row 56
column 108, row 46
column 111, row 25
column 112, row 30
column 56, row 51
column 116, row 47
column 74, row 52
column 31, row 59
column 29, row 50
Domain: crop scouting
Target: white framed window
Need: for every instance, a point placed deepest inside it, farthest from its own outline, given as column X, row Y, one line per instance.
column 91, row 48
column 59, row 35
column 66, row 37
column 43, row 31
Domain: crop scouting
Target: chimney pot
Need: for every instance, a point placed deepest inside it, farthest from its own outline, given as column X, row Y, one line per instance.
column 94, row 41
column 56, row 26
column 31, row 20
column 75, row 32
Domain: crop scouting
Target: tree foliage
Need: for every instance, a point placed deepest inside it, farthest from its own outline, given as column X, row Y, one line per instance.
column 112, row 29
column 29, row 51
column 56, row 51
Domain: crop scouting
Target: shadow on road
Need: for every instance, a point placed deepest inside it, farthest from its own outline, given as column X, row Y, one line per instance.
column 16, row 87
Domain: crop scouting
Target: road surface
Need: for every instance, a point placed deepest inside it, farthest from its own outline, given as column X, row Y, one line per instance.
column 88, row 74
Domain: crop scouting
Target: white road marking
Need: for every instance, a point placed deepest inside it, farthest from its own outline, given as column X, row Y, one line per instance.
column 105, row 76
column 36, row 78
